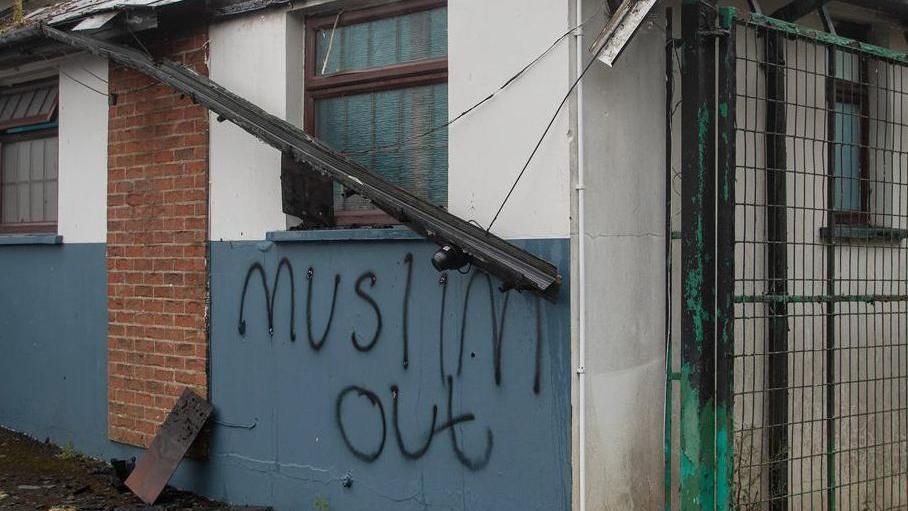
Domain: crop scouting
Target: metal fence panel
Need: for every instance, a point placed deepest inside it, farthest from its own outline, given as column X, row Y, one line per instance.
column 820, row 194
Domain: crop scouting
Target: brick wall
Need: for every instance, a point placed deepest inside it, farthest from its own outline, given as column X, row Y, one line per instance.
column 157, row 210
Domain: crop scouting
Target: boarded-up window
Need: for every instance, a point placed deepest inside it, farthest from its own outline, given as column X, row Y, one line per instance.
column 376, row 90
column 28, row 182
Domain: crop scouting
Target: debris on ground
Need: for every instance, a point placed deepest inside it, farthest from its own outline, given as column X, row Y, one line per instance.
column 41, row 476
column 174, row 438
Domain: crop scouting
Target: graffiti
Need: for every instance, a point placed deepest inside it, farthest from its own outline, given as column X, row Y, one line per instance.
column 434, row 428
column 362, row 294
column 365, row 283
column 408, row 260
column 270, row 296
column 368, row 457
column 443, row 282
column 317, row 345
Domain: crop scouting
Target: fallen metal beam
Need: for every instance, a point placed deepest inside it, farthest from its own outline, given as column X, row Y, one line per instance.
column 517, row 268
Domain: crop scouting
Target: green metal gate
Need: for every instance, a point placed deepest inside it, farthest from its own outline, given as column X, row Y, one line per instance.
column 794, row 268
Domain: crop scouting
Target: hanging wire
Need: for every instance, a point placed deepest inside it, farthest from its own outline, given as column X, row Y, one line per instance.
column 545, row 132
column 502, row 87
column 89, row 87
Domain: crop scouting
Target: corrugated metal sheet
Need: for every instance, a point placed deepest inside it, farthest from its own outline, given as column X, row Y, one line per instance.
column 28, row 105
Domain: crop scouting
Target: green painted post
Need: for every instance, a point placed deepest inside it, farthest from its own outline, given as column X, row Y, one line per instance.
column 698, row 175
column 725, row 259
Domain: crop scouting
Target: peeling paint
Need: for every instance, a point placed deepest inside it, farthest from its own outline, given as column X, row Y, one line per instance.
column 827, row 38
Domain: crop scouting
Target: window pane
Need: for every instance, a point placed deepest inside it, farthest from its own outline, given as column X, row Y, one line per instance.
column 381, row 130
column 29, row 184
column 8, row 197
column 50, row 198
column 36, row 159
column 847, row 66
column 50, row 159
column 397, row 40
column 848, row 157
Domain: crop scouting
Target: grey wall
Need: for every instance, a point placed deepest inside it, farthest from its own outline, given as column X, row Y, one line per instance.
column 53, row 343
column 514, row 453
column 296, row 456
column 624, row 140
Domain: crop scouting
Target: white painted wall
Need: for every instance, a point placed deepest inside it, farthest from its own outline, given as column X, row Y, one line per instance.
column 260, row 58
column 487, row 43
column 250, row 56
column 82, row 214
column 623, row 111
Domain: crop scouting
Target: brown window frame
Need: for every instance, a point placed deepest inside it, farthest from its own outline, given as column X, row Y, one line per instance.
column 398, row 76
column 856, row 93
column 27, row 227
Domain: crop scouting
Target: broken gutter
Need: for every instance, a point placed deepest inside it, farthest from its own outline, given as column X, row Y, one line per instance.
column 517, row 268
column 20, row 35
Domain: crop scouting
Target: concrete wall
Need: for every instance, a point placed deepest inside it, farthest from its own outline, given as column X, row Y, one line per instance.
column 296, row 456
column 623, row 111
column 513, row 455
column 250, row 55
column 53, row 368
column 83, row 151
column 488, row 43
column 488, row 146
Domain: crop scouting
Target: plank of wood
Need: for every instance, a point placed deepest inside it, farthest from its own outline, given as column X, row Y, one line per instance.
column 180, row 429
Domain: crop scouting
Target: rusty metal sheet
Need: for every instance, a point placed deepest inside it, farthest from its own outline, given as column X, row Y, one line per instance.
column 176, row 435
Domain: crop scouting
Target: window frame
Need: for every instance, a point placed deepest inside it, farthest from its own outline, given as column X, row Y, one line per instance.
column 855, row 93
column 398, row 76
column 27, row 227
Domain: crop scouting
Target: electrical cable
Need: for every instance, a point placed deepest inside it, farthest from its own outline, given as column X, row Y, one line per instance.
column 464, row 113
column 71, row 77
column 541, row 138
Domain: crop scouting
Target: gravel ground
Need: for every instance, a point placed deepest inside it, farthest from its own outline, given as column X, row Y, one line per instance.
column 42, row 476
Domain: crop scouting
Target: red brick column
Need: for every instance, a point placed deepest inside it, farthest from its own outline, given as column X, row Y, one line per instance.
column 157, row 235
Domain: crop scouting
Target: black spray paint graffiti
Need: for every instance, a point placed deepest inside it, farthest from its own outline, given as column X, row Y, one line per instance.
column 270, row 297
column 375, row 401
column 368, row 299
column 317, row 345
column 498, row 323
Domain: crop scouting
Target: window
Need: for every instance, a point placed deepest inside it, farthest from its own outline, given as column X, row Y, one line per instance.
column 851, row 116
column 28, row 158
column 376, row 83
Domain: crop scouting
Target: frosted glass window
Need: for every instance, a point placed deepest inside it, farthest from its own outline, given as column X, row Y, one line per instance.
column 381, row 43
column 848, row 157
column 28, row 181
column 381, row 130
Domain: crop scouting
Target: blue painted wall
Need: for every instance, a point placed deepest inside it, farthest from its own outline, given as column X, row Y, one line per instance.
column 53, row 343
column 278, row 439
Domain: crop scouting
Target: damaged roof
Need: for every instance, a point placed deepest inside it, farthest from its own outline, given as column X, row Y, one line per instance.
column 517, row 268
column 72, row 10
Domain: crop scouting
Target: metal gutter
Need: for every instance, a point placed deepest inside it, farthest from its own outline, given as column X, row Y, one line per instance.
column 517, row 268
column 19, row 36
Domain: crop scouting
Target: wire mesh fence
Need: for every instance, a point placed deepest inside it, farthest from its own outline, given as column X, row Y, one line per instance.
column 820, row 385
